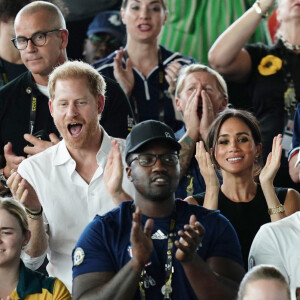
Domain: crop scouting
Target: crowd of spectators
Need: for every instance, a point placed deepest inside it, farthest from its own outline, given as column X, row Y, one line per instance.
column 149, row 149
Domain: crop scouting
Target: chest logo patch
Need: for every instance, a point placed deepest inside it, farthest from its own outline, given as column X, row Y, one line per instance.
column 158, row 235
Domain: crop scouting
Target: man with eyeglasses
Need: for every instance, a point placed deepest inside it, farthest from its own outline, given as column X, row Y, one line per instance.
column 156, row 247
column 26, row 126
column 105, row 34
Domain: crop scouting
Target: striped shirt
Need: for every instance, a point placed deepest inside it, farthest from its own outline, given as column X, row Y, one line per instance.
column 194, row 25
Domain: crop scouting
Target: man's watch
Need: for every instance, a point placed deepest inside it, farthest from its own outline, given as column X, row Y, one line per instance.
column 3, row 179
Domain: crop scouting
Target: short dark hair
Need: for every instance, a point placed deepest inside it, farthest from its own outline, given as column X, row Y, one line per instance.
column 246, row 117
column 9, row 9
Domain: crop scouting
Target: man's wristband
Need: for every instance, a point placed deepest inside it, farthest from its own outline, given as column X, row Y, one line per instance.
column 258, row 9
column 34, row 215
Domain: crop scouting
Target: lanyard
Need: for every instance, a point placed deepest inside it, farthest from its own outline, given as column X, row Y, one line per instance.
column 169, row 269
column 161, row 80
column 32, row 112
column 146, row 280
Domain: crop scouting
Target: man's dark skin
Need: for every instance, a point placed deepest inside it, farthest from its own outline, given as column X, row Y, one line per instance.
column 216, row 278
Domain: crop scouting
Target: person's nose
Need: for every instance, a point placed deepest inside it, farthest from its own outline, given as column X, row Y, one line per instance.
column 233, row 146
column 159, row 165
column 72, row 110
column 30, row 46
column 199, row 89
column 101, row 50
column 144, row 13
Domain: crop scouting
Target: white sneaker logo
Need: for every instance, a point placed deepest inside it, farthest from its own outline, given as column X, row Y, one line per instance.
column 159, row 235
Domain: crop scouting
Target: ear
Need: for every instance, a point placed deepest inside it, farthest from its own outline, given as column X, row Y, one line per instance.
column 123, row 16
column 178, row 104
column 224, row 104
column 27, row 237
column 100, row 103
column 84, row 47
column 64, row 37
column 258, row 149
column 50, row 103
column 128, row 172
column 166, row 18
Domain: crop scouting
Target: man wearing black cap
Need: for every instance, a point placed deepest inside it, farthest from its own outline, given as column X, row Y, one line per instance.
column 155, row 247
column 105, row 34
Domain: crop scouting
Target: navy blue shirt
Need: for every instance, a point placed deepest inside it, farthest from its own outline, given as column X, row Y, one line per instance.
column 104, row 246
column 145, row 96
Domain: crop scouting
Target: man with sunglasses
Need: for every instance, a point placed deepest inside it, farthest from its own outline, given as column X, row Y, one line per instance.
column 26, row 126
column 156, row 247
column 105, row 34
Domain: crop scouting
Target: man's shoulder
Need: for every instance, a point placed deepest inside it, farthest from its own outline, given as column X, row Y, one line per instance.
column 289, row 223
column 168, row 56
column 123, row 209
column 15, row 85
column 200, row 212
column 105, row 62
column 261, row 49
column 114, row 220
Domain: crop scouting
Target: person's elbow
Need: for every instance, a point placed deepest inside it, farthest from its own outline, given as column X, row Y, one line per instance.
column 220, row 62
column 294, row 173
column 215, row 60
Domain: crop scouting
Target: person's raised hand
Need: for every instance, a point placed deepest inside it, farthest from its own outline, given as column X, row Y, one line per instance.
column 23, row 192
column 272, row 165
column 189, row 241
column 12, row 160
column 191, row 117
column 124, row 76
column 207, row 115
column 39, row 145
column 113, row 174
column 206, row 166
column 172, row 72
column 140, row 240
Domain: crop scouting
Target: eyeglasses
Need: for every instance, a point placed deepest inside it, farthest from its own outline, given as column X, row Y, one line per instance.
column 38, row 39
column 149, row 160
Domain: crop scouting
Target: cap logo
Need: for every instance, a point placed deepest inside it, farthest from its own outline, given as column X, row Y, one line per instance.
column 168, row 135
column 114, row 20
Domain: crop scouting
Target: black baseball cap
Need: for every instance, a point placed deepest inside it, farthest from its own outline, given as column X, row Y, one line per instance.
column 147, row 131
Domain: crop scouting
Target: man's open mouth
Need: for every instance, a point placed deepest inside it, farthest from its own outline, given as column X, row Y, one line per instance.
column 74, row 129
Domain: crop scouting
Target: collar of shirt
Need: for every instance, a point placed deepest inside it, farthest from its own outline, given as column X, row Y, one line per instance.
column 31, row 282
column 62, row 155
